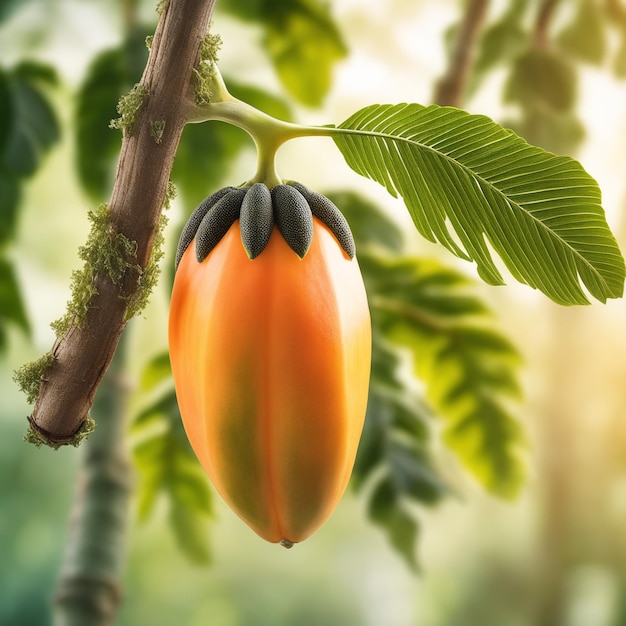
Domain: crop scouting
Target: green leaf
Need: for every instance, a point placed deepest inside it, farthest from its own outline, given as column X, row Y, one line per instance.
column 110, row 75
column 469, row 368
column 301, row 39
column 504, row 40
column 542, row 79
column 11, row 305
column 9, row 203
column 34, row 129
column 584, row 37
column 7, row 112
column 402, row 528
column 304, row 45
column 156, row 371
column 393, row 452
column 540, row 212
column 167, row 465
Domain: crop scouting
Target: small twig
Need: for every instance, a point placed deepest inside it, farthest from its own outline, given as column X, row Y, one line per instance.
column 450, row 89
column 82, row 355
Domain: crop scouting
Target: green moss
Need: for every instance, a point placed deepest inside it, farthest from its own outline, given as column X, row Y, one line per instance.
column 106, row 252
column 156, row 130
column 170, row 194
column 128, row 108
column 204, row 72
column 149, row 40
column 149, row 277
column 161, row 6
column 38, row 438
column 29, row 376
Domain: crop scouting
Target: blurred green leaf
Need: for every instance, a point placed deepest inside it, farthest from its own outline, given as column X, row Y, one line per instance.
column 155, row 372
column 109, row 76
column 302, row 40
column 34, row 127
column 34, row 71
column 6, row 110
column 540, row 212
column 9, row 203
column 561, row 133
column 584, row 37
column 402, row 528
column 501, row 42
column 204, row 157
column 11, row 306
column 542, row 79
column 469, row 368
column 305, row 45
column 167, row 465
column 369, row 225
column 393, row 452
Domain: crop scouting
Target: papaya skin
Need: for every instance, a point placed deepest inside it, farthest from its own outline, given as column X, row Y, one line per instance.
column 271, row 362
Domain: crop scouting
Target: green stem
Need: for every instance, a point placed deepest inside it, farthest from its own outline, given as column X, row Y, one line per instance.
column 267, row 132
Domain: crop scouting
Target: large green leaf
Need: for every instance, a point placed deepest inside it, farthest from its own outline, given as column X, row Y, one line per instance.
column 469, row 368
column 167, row 465
column 540, row 212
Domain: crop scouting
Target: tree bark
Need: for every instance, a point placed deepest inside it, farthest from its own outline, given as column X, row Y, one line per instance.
column 83, row 354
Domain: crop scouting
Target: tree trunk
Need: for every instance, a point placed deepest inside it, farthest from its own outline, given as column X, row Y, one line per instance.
column 89, row 589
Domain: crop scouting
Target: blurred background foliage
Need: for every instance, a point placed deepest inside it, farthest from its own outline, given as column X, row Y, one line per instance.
column 495, row 405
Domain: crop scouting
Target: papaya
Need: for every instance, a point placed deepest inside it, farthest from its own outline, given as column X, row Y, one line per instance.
column 270, row 347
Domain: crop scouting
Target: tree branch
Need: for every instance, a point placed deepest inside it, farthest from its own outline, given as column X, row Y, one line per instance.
column 82, row 355
column 542, row 25
column 450, row 89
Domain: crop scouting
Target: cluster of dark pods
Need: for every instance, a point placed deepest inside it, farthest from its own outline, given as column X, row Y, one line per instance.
column 290, row 207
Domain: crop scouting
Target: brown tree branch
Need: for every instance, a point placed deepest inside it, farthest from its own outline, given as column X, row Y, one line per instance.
column 83, row 354
column 450, row 89
column 541, row 34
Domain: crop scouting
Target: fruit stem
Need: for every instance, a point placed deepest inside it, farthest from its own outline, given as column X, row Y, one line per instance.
column 267, row 132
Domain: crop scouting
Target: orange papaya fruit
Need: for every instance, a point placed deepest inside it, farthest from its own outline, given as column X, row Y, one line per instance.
column 270, row 347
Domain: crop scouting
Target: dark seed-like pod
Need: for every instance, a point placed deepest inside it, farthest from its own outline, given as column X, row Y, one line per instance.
column 191, row 227
column 293, row 218
column 217, row 221
column 329, row 214
column 256, row 219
